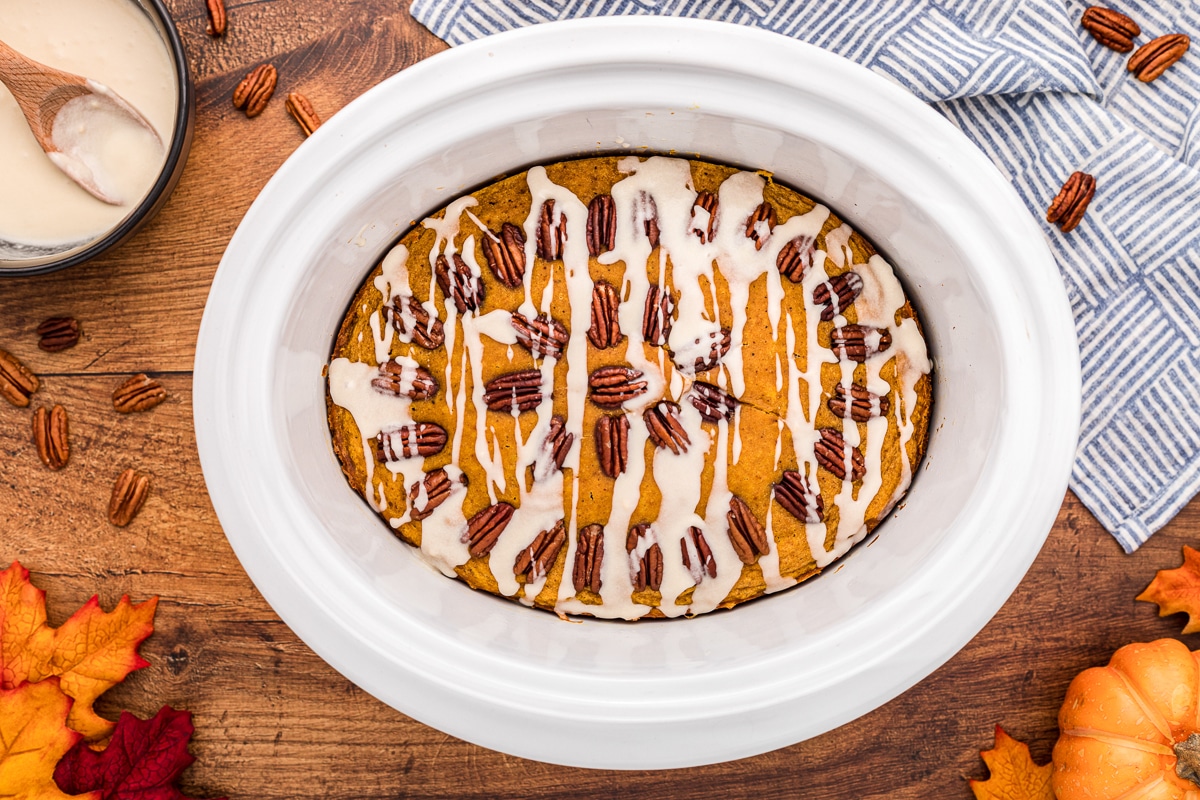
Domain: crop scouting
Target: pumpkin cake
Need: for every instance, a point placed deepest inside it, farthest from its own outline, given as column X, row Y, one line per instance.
column 629, row 388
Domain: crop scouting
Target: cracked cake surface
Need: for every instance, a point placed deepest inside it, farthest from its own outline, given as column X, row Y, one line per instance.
column 630, row 387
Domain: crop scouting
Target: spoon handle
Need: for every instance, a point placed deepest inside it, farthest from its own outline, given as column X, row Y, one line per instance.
column 12, row 63
column 19, row 74
column 38, row 89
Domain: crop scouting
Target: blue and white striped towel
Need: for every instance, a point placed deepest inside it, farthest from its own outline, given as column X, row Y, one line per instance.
column 1032, row 89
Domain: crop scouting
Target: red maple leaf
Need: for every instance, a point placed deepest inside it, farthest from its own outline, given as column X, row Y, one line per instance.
column 143, row 761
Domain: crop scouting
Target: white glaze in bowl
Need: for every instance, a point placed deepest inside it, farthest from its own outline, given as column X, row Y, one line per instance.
column 646, row 695
column 88, row 227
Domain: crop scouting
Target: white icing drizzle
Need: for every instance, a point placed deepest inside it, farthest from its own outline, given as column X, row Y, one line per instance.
column 392, row 282
column 350, row 387
column 881, row 298
column 837, row 245
column 488, row 457
column 816, row 355
column 740, row 263
column 578, row 283
column 456, row 399
column 446, row 551
column 441, row 532
column 769, row 562
column 497, row 326
column 662, row 187
column 711, row 592
column 541, row 507
column 676, row 478
column 800, row 429
column 445, row 230
column 447, row 227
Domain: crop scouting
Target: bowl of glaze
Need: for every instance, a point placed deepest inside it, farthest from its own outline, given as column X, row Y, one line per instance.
column 649, row 694
column 24, row 255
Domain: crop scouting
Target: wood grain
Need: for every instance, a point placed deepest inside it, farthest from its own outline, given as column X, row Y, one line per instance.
column 272, row 719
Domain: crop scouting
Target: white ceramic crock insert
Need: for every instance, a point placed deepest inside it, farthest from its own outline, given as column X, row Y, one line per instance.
column 644, row 695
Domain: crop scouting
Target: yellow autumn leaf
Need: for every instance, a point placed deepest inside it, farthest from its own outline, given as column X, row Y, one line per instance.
column 33, row 737
column 1178, row 590
column 1012, row 775
column 90, row 653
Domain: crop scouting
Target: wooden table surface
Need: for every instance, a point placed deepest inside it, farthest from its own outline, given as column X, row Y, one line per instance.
column 272, row 719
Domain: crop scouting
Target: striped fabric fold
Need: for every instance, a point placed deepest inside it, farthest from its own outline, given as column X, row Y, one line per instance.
column 1042, row 99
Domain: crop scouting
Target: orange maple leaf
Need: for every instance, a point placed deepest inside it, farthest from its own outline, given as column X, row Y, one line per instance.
column 1012, row 775
column 33, row 737
column 1178, row 590
column 90, row 653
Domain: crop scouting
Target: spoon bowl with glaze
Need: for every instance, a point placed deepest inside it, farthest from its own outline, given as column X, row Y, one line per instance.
column 74, row 119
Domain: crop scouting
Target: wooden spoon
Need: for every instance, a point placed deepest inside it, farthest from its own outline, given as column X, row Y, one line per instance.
column 41, row 92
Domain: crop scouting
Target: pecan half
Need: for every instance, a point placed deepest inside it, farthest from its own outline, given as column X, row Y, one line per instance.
column 704, row 353
column 589, row 555
column 645, row 558
column 412, row 321
column 1069, row 205
column 645, row 217
column 58, row 333
column 405, row 378
column 863, row 404
column 1110, row 28
column 254, row 90
column 484, row 529
column 459, row 283
column 612, row 444
column 760, row 223
column 713, row 403
column 664, row 427
column 551, row 233
column 301, row 109
column 746, row 533
column 606, row 323
column 656, row 317
column 16, row 382
column 521, row 390
column 833, row 453
column 612, row 386
column 601, row 224
column 798, row 499
column 704, row 217
column 407, row 441
column 139, row 393
column 128, row 495
column 697, row 555
column 859, row 342
column 505, row 254
column 426, row 495
column 535, row 561
column 217, row 18
column 558, row 442
column 50, row 436
column 796, row 258
column 1155, row 56
column 543, row 335
column 837, row 294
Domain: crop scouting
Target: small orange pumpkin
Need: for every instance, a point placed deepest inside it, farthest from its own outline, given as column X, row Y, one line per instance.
column 1131, row 730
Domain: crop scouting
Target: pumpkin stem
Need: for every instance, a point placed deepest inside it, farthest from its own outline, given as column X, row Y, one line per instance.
column 1187, row 753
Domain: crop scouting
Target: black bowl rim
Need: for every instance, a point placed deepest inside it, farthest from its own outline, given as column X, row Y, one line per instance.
column 181, row 140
